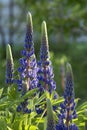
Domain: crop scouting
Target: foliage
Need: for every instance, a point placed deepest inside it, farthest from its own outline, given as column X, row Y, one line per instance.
column 10, row 119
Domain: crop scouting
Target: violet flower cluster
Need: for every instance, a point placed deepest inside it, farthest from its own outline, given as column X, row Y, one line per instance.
column 28, row 66
column 9, row 66
column 45, row 70
column 67, row 111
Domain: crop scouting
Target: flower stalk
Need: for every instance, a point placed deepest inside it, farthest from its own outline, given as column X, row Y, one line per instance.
column 50, row 117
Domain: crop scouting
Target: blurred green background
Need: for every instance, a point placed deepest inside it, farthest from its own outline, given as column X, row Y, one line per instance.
column 67, row 31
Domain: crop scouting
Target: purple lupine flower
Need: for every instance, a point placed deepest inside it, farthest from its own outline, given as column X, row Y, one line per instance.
column 61, row 127
column 45, row 70
column 9, row 66
column 64, row 127
column 50, row 117
column 28, row 66
column 67, row 111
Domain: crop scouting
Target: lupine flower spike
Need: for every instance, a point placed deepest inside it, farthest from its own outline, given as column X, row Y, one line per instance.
column 45, row 71
column 68, row 112
column 28, row 69
column 50, row 116
column 9, row 66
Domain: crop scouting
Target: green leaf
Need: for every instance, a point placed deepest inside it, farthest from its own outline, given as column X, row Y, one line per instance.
column 8, row 128
column 1, row 91
column 30, row 93
column 58, row 101
column 17, row 125
column 12, row 93
column 33, row 127
column 40, row 99
column 3, row 124
column 82, row 106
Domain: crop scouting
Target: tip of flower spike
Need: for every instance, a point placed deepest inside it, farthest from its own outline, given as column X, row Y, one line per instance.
column 50, row 116
column 69, row 69
column 44, row 29
column 9, row 53
column 29, row 19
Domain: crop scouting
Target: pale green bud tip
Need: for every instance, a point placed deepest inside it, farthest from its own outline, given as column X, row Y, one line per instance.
column 44, row 28
column 29, row 19
column 9, row 53
column 62, row 61
column 49, row 107
column 69, row 69
column 48, row 102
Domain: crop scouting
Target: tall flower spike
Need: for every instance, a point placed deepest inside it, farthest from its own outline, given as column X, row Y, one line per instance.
column 9, row 65
column 50, row 116
column 45, row 71
column 44, row 44
column 68, row 111
column 28, row 69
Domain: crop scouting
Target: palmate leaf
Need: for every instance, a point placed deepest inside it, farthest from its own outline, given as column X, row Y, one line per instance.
column 17, row 99
column 30, row 93
column 39, row 100
column 13, row 98
column 13, row 94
